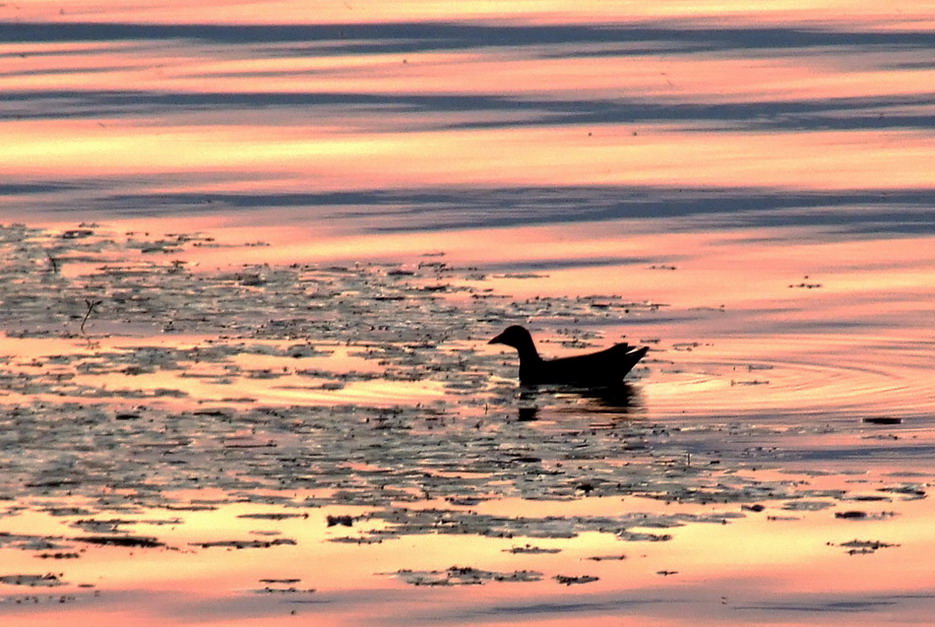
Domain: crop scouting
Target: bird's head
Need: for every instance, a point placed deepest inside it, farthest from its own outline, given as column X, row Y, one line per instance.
column 515, row 336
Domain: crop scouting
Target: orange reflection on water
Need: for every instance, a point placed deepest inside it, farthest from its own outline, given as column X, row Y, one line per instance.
column 556, row 119
column 822, row 160
column 753, row 566
column 76, row 66
column 781, row 556
column 538, row 11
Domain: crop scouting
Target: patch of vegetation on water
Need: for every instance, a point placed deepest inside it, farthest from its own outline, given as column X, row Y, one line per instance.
column 145, row 382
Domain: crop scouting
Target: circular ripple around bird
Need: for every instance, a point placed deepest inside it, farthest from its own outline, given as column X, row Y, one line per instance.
column 831, row 376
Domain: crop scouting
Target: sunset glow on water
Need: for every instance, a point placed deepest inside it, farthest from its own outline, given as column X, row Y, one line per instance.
column 251, row 255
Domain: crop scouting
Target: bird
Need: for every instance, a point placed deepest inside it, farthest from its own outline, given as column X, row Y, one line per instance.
column 601, row 369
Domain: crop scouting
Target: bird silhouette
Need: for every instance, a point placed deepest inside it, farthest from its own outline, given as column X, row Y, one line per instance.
column 601, row 369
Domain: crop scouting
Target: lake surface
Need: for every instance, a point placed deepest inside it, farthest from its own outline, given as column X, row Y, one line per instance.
column 252, row 253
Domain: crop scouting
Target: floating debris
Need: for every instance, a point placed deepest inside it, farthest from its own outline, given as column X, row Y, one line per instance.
column 529, row 549
column 912, row 492
column 807, row 506
column 805, row 284
column 572, row 580
column 605, row 558
column 345, row 521
column 464, row 576
column 128, row 541
column 851, row 515
column 864, row 547
column 632, row 536
column 48, row 580
column 282, row 586
column 244, row 544
column 59, row 556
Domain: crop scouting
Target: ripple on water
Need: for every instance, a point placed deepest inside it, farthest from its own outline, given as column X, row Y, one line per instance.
column 827, row 376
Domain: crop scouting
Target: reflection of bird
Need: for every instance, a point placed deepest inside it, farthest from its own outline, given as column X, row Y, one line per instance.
column 604, row 368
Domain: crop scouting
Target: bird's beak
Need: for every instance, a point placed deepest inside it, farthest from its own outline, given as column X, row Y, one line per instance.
column 497, row 340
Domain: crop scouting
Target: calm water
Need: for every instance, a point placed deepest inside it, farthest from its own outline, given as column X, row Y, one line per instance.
column 303, row 222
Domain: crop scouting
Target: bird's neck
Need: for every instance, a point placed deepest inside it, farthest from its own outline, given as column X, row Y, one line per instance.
column 528, row 353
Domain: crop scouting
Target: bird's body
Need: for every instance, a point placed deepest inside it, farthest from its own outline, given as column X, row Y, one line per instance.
column 604, row 368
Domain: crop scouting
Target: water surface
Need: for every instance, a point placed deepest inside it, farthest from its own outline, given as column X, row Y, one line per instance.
column 243, row 349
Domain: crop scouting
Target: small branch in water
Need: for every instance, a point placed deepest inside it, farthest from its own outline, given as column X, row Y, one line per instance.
column 91, row 305
column 54, row 263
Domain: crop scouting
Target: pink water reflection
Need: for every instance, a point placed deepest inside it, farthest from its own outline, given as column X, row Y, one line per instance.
column 744, row 576
column 761, row 206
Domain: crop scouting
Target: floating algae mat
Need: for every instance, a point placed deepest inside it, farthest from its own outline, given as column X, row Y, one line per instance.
column 142, row 394
column 138, row 372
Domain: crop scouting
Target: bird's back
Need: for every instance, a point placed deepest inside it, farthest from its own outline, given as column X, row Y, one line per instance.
column 605, row 367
